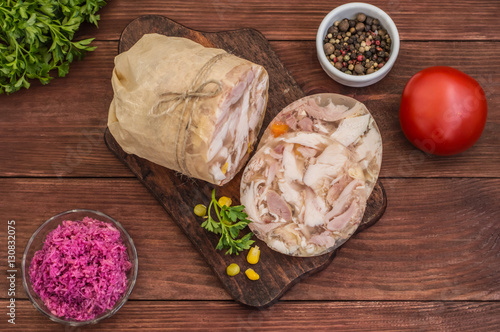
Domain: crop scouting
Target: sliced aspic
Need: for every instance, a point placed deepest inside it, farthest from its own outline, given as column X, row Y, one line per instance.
column 340, row 117
column 305, row 193
column 186, row 107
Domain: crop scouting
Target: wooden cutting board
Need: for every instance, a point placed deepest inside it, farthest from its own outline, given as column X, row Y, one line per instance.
column 179, row 194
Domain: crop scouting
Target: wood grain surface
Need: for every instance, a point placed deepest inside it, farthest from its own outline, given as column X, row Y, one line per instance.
column 299, row 20
column 415, row 252
column 44, row 134
column 292, row 316
column 178, row 194
column 430, row 264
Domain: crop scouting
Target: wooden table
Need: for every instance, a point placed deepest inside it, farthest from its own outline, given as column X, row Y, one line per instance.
column 431, row 263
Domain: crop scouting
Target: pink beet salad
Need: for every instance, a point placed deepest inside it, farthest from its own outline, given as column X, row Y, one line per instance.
column 81, row 270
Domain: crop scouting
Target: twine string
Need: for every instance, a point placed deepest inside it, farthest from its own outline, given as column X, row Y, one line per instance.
column 176, row 98
column 195, row 91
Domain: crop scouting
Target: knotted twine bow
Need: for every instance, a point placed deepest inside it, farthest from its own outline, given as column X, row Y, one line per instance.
column 176, row 98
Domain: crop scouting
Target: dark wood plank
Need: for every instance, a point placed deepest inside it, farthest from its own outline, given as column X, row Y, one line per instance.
column 327, row 316
column 299, row 20
column 179, row 195
column 56, row 130
column 437, row 241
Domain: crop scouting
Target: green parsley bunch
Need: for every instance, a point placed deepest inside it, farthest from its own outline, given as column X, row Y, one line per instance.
column 36, row 37
column 231, row 220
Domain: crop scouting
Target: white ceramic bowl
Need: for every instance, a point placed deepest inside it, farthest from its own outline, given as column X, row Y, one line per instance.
column 349, row 11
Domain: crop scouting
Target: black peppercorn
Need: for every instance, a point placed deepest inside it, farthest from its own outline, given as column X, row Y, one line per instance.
column 344, row 25
column 328, row 48
column 359, row 69
column 360, row 26
column 360, row 17
column 333, row 30
column 352, row 47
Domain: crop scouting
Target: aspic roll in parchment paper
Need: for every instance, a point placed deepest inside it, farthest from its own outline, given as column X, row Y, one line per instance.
column 189, row 108
column 306, row 187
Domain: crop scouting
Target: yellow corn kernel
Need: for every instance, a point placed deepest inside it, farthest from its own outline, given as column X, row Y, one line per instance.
column 224, row 168
column 253, row 255
column 251, row 274
column 225, row 201
column 200, row 210
column 233, row 269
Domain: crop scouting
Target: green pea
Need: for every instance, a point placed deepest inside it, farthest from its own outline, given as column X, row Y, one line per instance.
column 233, row 269
column 200, row 210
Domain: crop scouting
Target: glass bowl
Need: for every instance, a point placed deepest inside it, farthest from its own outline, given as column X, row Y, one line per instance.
column 36, row 243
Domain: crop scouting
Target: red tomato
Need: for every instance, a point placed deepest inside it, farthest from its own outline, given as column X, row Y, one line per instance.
column 443, row 110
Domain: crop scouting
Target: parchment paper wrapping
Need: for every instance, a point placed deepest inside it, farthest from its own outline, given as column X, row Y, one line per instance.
column 172, row 99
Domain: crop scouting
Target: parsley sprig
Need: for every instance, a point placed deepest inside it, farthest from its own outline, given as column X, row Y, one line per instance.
column 36, row 37
column 231, row 220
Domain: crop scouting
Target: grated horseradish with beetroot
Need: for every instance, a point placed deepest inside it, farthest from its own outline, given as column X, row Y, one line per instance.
column 81, row 271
